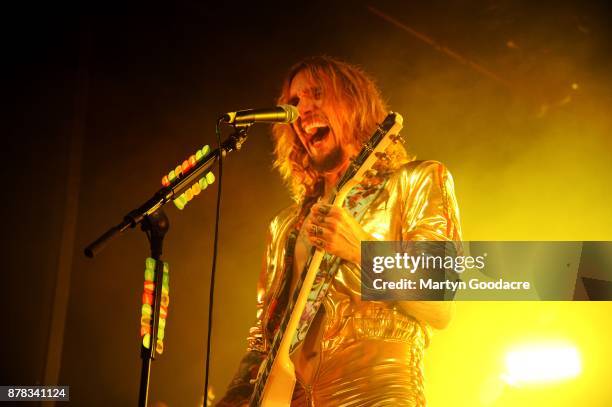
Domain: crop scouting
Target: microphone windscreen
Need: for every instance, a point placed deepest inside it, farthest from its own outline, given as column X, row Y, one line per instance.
column 292, row 112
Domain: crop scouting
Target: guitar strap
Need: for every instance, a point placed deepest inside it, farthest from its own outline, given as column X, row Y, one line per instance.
column 357, row 202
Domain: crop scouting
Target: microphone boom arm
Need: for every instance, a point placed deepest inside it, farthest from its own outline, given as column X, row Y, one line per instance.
column 167, row 194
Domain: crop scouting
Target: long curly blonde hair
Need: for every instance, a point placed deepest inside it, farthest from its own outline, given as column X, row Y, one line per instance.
column 363, row 106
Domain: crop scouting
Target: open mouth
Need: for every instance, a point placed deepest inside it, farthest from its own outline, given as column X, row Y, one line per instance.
column 316, row 131
column 319, row 135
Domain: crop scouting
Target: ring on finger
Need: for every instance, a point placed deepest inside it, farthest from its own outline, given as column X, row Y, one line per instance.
column 324, row 210
column 318, row 231
column 313, row 230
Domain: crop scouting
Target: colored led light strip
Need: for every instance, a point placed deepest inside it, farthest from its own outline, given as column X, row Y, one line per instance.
column 195, row 189
column 147, row 304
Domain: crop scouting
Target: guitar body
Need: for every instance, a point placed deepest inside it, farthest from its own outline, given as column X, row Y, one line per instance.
column 276, row 379
column 281, row 381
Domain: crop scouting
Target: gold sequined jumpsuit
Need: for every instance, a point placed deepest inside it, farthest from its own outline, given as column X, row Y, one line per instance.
column 358, row 353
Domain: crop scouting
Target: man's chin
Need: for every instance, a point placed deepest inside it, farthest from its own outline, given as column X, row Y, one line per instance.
column 329, row 161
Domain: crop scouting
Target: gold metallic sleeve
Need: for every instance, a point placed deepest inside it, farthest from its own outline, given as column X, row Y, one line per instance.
column 429, row 212
column 240, row 388
column 429, row 208
column 270, row 278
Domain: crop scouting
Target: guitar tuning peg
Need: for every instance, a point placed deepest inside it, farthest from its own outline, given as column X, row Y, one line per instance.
column 370, row 173
column 382, row 156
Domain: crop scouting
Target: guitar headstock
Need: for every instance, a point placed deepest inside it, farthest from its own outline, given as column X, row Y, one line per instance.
column 362, row 166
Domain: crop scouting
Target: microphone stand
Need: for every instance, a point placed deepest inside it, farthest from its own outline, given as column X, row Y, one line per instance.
column 155, row 224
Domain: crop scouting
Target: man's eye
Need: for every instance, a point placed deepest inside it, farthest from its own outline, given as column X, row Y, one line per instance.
column 293, row 101
column 317, row 93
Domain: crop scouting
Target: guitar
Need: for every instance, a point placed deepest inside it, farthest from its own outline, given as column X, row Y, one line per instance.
column 276, row 378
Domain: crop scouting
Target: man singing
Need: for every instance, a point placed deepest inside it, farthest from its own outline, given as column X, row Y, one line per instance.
column 355, row 353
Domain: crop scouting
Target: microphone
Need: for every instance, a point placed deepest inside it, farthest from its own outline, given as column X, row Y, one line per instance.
column 277, row 114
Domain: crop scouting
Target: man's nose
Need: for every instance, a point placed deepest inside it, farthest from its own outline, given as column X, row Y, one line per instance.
column 305, row 106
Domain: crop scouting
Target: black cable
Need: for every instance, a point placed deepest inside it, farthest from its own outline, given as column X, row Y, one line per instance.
column 214, row 263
